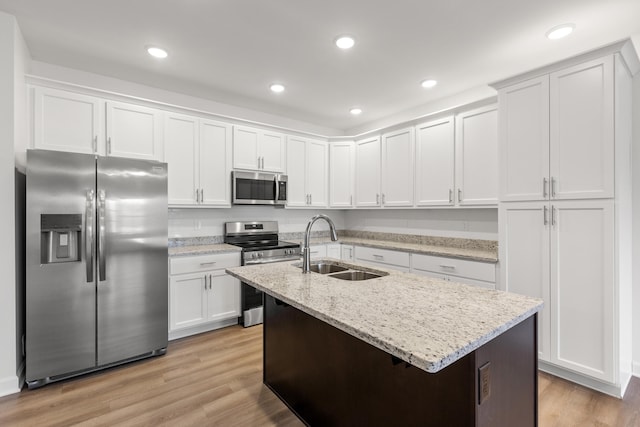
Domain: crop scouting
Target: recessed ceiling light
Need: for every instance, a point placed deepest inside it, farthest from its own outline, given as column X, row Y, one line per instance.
column 355, row 111
column 345, row 42
column 560, row 31
column 276, row 87
column 429, row 83
column 157, row 52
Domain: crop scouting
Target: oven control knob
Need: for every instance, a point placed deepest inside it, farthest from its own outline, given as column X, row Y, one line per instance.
column 260, row 254
column 254, row 255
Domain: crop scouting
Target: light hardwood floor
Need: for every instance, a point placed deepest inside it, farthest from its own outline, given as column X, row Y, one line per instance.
column 215, row 379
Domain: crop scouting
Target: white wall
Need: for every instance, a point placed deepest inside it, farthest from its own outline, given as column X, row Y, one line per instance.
column 210, row 222
column 462, row 223
column 10, row 87
column 636, row 224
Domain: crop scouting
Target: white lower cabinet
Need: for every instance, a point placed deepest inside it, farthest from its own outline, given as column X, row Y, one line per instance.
column 201, row 295
column 346, row 252
column 563, row 252
column 318, row 251
column 334, row 250
column 476, row 273
column 383, row 257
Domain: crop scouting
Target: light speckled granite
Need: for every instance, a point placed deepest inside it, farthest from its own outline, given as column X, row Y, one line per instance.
column 202, row 250
column 474, row 250
column 473, row 254
column 427, row 322
column 195, row 241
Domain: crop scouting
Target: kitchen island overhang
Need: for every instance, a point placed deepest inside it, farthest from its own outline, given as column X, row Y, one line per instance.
column 400, row 348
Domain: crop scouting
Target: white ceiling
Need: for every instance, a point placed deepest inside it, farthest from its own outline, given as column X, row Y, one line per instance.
column 231, row 50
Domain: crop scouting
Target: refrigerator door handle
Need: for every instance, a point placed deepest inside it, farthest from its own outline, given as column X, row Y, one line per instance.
column 101, row 232
column 88, row 235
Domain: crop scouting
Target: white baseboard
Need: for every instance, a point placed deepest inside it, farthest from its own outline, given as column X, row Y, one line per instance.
column 636, row 369
column 606, row 388
column 206, row 327
column 9, row 385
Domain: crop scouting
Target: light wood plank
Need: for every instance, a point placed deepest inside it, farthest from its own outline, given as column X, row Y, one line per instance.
column 215, row 378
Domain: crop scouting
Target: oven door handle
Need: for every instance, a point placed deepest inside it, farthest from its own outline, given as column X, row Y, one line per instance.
column 271, row 260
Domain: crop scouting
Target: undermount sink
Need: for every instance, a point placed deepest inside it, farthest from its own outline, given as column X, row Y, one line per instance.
column 325, row 268
column 342, row 272
column 355, row 275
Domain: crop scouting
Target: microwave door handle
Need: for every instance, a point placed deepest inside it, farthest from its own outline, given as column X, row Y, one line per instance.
column 275, row 181
column 101, row 234
column 88, row 235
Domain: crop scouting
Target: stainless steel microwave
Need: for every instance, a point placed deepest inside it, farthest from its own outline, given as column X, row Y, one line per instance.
column 258, row 188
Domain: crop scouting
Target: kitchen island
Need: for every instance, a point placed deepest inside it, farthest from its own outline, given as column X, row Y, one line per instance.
column 399, row 349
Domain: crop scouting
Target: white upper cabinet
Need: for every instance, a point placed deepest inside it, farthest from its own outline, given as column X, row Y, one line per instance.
column 524, row 140
column 67, row 121
column 198, row 152
column 397, row 168
column 256, row 149
column 582, row 131
column 215, row 163
column 368, row 172
column 341, row 174
column 134, row 131
column 181, row 152
column 557, row 135
column 307, row 172
column 477, row 157
column 435, row 162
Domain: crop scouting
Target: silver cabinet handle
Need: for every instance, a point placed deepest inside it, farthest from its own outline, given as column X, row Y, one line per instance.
column 383, row 198
column 351, row 199
column 95, row 144
column 553, row 187
column 544, row 187
column 263, row 162
column 310, row 198
column 553, row 215
column 451, row 195
column 378, row 256
column 205, row 282
column 109, row 145
column 544, row 216
column 210, row 281
column 258, row 162
column 377, row 198
column 208, row 263
column 101, row 234
column 202, row 195
column 88, row 235
column 459, row 195
column 197, row 196
column 447, row 267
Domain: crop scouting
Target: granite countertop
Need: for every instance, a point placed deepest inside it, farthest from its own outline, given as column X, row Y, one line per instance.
column 472, row 254
column 469, row 249
column 219, row 248
column 427, row 322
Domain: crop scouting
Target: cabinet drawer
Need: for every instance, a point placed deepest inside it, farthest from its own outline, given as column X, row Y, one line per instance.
column 196, row 263
column 455, row 267
column 383, row 256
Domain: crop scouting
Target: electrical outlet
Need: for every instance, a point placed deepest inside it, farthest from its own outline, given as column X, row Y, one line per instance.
column 484, row 382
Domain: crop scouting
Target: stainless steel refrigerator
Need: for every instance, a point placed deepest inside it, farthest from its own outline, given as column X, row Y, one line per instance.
column 96, row 284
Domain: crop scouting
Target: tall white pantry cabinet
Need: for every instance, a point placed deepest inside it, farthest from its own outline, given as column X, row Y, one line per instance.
column 565, row 210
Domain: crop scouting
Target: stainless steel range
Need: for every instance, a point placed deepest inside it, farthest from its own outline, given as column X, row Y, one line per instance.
column 260, row 245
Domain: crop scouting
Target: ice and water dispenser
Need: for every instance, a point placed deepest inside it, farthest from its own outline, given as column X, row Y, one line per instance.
column 60, row 238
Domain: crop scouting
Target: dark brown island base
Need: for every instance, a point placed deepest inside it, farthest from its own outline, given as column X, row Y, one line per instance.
column 396, row 350
column 330, row 378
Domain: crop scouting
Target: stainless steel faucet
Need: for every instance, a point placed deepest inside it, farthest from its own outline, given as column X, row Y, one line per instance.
column 306, row 254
